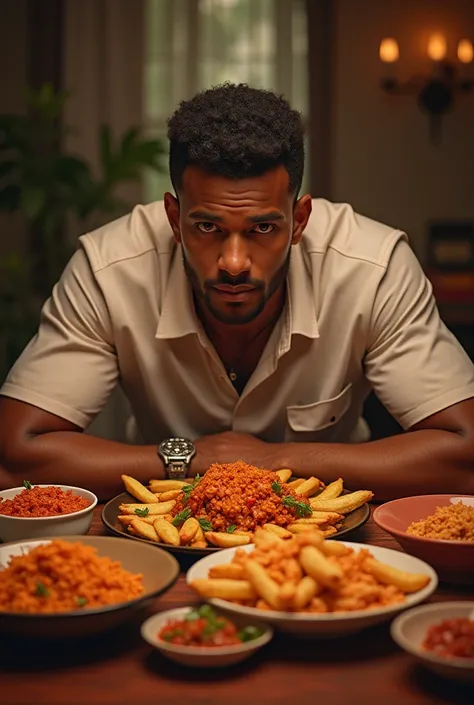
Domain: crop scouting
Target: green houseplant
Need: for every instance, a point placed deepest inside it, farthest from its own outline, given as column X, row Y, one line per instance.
column 48, row 186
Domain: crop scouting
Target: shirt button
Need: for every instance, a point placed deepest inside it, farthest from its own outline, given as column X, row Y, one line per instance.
column 332, row 419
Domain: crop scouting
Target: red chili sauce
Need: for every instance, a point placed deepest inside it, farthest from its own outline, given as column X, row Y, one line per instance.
column 451, row 638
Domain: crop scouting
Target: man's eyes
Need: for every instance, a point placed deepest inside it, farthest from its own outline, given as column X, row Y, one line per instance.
column 260, row 228
column 207, row 227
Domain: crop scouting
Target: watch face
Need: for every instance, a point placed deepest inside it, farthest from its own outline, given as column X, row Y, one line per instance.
column 177, row 447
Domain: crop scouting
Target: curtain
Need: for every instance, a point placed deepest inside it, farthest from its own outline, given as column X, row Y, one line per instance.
column 103, row 68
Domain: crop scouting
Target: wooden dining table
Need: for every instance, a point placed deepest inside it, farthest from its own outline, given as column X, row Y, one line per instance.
column 119, row 668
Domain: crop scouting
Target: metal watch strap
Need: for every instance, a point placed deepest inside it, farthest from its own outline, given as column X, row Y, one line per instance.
column 176, row 469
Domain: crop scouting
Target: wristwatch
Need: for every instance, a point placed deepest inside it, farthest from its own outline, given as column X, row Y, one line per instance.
column 176, row 454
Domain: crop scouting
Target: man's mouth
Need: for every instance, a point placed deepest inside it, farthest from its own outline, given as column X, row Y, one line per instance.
column 238, row 289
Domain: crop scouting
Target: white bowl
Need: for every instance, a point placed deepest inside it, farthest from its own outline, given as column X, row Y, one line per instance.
column 204, row 657
column 159, row 569
column 409, row 630
column 330, row 624
column 19, row 528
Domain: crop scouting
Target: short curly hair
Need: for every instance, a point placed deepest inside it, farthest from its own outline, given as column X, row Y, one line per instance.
column 236, row 131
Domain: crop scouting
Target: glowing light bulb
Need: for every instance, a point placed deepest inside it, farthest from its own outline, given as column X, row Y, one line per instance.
column 389, row 51
column 465, row 51
column 437, row 47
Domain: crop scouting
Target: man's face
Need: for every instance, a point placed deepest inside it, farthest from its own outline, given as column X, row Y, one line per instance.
column 236, row 236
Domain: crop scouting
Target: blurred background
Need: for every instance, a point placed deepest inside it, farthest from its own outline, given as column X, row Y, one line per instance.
column 386, row 90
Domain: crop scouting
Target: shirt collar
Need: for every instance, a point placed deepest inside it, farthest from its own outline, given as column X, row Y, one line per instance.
column 301, row 307
column 178, row 317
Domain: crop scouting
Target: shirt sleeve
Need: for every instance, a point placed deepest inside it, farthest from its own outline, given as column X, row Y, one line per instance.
column 415, row 364
column 70, row 366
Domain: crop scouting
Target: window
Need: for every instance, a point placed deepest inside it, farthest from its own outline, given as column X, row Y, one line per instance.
column 195, row 44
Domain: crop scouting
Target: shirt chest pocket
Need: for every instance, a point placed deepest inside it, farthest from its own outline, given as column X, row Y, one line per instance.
column 320, row 421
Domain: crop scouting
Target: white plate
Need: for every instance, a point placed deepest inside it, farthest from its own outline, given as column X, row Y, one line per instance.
column 331, row 624
column 212, row 657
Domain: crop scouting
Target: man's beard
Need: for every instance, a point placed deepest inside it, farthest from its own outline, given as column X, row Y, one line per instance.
column 203, row 293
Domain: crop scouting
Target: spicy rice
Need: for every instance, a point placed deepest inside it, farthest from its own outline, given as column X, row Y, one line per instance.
column 43, row 502
column 454, row 522
column 62, row 576
column 240, row 495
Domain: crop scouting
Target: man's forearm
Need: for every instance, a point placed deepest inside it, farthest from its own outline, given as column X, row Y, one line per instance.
column 77, row 459
column 419, row 462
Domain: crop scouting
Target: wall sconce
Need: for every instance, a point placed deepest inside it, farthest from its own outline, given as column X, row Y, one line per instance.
column 435, row 93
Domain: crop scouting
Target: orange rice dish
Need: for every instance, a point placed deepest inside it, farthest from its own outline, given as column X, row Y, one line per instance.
column 242, row 495
column 62, row 576
column 43, row 502
column 455, row 522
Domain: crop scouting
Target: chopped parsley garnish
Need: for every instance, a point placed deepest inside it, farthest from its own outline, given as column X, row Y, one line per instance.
column 181, row 517
column 230, row 529
column 205, row 524
column 41, row 590
column 276, row 487
column 187, row 489
column 81, row 601
column 142, row 512
column 301, row 508
column 249, row 633
column 27, row 484
column 170, row 635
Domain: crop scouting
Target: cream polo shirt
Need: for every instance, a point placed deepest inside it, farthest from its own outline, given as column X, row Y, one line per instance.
column 359, row 315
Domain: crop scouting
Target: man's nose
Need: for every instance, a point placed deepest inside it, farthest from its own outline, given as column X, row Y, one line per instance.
column 234, row 257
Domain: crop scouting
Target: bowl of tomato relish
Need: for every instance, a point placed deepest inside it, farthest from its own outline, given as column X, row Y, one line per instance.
column 441, row 636
column 203, row 637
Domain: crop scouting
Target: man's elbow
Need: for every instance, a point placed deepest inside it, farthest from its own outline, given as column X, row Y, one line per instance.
column 12, row 463
column 464, row 468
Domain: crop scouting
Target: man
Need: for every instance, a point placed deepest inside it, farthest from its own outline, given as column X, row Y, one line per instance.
column 248, row 320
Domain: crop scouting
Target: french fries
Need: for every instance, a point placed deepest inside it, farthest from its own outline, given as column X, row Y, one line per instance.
column 301, row 528
column 232, row 571
column 295, row 483
column 126, row 519
column 167, row 500
column 262, row 537
column 166, row 531
column 319, row 567
column 306, row 589
column 189, row 530
column 283, row 475
column 334, row 489
column 166, row 485
column 278, row 530
column 407, row 582
column 171, row 494
column 344, row 504
column 308, row 487
column 306, row 573
column 147, row 531
column 223, row 587
column 263, row 584
column 223, row 540
column 137, row 490
column 147, row 509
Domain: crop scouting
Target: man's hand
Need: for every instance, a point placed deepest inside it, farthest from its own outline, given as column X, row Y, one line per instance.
column 228, row 447
column 436, row 456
